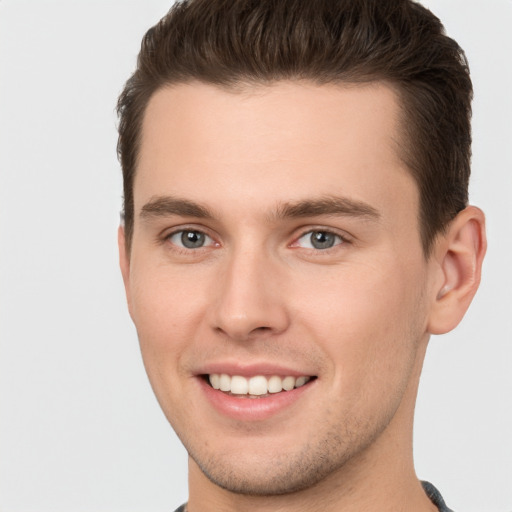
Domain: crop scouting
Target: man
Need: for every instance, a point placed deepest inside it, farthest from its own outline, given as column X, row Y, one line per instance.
column 295, row 228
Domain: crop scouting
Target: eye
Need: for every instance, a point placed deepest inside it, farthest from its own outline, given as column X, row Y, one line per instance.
column 190, row 239
column 319, row 240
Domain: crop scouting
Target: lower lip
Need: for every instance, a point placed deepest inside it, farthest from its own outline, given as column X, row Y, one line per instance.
column 253, row 409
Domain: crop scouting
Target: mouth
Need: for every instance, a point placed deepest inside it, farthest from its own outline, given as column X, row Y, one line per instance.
column 257, row 386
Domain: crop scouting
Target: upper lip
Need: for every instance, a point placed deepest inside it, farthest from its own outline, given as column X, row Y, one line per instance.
column 250, row 370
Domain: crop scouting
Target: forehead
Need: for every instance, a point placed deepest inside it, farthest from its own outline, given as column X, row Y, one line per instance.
column 273, row 143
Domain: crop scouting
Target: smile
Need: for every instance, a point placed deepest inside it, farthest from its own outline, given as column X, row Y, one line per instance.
column 257, row 393
column 257, row 386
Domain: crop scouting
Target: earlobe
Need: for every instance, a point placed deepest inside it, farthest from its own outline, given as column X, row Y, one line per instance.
column 459, row 254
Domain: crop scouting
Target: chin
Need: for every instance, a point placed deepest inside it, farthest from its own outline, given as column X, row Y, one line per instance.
column 267, row 473
column 269, row 480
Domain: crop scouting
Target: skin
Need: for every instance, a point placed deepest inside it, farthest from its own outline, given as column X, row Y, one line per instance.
column 357, row 316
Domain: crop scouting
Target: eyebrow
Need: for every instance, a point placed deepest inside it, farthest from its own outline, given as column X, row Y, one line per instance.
column 166, row 206
column 327, row 205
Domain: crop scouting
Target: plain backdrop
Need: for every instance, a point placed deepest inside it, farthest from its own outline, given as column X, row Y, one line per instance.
column 80, row 429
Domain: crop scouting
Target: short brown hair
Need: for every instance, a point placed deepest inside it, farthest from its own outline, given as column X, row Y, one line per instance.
column 234, row 42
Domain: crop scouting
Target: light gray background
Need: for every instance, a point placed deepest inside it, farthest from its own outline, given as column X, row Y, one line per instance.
column 80, row 429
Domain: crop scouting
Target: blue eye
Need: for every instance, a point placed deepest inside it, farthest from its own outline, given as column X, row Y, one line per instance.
column 320, row 240
column 190, row 239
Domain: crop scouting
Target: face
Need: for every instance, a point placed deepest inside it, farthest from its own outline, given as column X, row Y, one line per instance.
column 276, row 278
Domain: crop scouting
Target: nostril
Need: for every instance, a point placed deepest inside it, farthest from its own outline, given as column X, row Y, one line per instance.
column 243, row 334
column 262, row 329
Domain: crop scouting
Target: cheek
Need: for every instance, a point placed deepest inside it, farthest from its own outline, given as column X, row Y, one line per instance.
column 367, row 320
column 165, row 311
column 165, row 308
column 165, row 301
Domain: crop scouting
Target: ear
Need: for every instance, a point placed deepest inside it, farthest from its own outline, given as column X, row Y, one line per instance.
column 124, row 261
column 458, row 254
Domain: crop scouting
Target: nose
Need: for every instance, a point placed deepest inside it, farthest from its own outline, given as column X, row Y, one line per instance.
column 250, row 297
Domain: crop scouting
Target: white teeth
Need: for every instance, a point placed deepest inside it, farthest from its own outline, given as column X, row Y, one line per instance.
column 215, row 381
column 225, row 382
column 288, row 383
column 275, row 384
column 257, row 385
column 239, row 385
column 300, row 381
